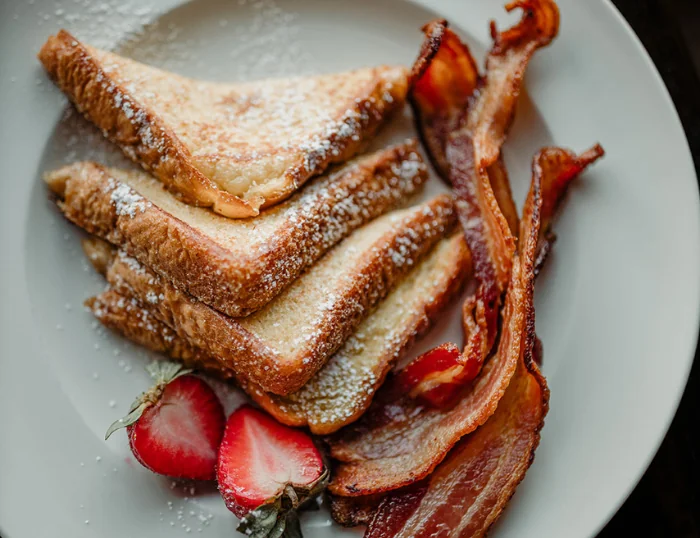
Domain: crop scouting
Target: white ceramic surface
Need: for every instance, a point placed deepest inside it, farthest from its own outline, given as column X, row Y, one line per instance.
column 617, row 307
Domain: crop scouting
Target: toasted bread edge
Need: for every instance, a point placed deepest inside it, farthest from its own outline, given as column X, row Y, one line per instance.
column 198, row 265
column 145, row 139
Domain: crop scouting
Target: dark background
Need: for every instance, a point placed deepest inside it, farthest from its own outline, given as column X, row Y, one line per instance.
column 666, row 503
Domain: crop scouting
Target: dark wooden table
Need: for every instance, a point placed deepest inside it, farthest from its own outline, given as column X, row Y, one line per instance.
column 666, row 503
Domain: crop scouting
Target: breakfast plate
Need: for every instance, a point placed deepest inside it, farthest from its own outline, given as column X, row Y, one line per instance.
column 617, row 305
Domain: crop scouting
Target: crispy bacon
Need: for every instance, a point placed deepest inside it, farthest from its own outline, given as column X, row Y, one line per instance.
column 442, row 80
column 463, row 119
column 436, row 376
column 558, row 168
column 468, row 491
column 399, row 440
column 354, row 511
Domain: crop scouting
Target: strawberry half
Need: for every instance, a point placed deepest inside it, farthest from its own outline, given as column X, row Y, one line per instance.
column 266, row 471
column 176, row 427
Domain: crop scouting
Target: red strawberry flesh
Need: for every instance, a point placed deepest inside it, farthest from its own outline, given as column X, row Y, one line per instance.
column 180, row 434
column 258, row 457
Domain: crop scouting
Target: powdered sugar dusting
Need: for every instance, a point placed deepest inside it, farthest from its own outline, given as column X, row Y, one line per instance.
column 103, row 309
column 128, row 202
column 345, row 285
column 303, row 228
column 331, row 207
column 343, row 388
column 132, row 263
column 250, row 139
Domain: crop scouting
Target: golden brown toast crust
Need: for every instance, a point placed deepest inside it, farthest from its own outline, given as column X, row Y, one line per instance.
column 284, row 367
column 240, row 279
column 129, row 318
column 84, row 81
column 148, row 139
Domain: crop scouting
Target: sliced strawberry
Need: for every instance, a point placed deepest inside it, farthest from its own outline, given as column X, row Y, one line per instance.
column 266, row 471
column 438, row 375
column 176, row 427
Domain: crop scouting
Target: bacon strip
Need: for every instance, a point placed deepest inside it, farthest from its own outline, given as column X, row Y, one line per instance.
column 382, row 452
column 469, row 490
column 463, row 119
column 558, row 169
column 443, row 78
column 354, row 511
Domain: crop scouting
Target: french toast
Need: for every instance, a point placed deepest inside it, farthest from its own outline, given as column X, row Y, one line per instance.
column 234, row 266
column 128, row 317
column 282, row 345
column 236, row 148
column 343, row 389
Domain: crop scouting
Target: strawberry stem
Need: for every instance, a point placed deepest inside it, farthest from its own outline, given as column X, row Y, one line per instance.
column 163, row 373
column 278, row 518
column 291, row 495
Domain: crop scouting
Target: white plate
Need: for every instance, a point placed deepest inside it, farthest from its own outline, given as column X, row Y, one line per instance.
column 617, row 308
